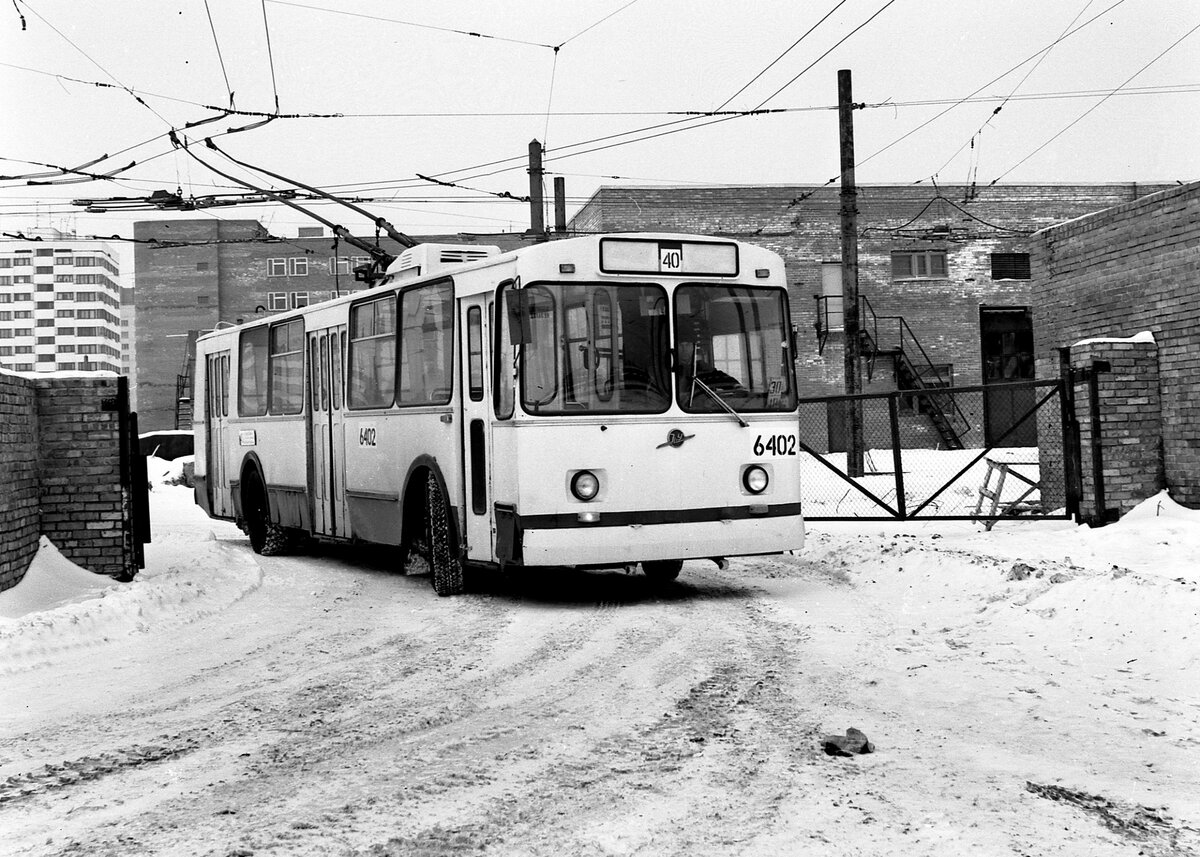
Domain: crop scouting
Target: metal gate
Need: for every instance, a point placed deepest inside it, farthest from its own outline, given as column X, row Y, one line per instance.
column 929, row 454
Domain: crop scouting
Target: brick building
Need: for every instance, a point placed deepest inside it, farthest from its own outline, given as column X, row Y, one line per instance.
column 1110, row 276
column 951, row 262
column 207, row 272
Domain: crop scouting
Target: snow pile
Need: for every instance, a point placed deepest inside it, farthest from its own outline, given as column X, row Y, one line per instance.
column 195, row 569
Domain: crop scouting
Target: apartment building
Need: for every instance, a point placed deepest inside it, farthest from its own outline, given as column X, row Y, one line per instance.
column 59, row 305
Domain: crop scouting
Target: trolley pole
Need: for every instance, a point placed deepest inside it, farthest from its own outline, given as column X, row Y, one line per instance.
column 850, row 320
column 537, row 216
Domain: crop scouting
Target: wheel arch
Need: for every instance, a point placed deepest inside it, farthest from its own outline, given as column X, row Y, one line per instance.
column 413, row 500
column 251, row 464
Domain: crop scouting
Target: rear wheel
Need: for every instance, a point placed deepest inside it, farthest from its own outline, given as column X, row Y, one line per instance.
column 444, row 560
column 662, row 570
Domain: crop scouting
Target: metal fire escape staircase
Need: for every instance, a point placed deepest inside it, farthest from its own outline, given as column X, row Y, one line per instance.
column 183, row 394
column 890, row 336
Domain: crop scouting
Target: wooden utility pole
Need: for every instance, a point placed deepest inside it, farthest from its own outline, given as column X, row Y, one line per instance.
column 537, row 215
column 560, row 204
column 850, row 321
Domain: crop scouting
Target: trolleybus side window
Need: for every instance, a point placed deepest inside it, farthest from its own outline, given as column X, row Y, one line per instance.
column 426, row 344
column 502, row 363
column 287, row 367
column 225, row 385
column 732, row 341
column 336, row 344
column 372, row 381
column 252, row 373
column 475, row 352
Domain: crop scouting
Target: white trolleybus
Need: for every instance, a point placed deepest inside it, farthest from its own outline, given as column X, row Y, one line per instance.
column 591, row 402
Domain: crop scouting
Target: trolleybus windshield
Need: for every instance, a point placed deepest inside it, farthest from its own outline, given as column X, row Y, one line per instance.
column 603, row 348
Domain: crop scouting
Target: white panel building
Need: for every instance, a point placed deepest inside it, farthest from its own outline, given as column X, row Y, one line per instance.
column 60, row 306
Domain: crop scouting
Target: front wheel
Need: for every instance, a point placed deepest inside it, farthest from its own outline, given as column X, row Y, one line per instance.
column 662, row 570
column 444, row 560
column 266, row 537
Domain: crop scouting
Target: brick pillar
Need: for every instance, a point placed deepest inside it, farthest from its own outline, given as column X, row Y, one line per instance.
column 82, row 498
column 1130, row 423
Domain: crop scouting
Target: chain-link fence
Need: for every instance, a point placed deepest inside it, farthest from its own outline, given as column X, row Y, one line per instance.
column 957, row 452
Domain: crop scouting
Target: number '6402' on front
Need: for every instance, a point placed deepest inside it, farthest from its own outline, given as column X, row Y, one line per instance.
column 775, row 444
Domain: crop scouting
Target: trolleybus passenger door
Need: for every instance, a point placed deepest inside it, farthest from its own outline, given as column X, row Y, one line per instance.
column 326, row 349
column 477, row 440
column 216, row 401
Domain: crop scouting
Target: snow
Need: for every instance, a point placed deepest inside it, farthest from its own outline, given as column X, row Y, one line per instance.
column 1144, row 336
column 1079, row 673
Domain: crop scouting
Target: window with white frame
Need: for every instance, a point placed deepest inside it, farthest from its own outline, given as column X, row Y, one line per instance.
column 277, row 301
column 277, row 267
column 339, row 265
column 299, row 299
column 298, row 266
column 831, row 296
column 918, row 264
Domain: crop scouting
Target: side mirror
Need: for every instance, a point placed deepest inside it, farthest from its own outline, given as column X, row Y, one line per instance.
column 516, row 305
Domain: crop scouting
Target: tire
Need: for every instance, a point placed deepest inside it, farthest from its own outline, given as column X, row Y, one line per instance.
column 444, row 560
column 266, row 537
column 662, row 570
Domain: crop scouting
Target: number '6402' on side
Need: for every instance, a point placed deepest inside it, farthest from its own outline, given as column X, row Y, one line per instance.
column 775, row 444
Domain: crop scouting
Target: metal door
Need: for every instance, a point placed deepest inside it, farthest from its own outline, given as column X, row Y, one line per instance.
column 475, row 324
column 216, row 379
column 326, row 397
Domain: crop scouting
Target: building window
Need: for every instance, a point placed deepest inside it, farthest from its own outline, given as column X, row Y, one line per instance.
column 66, row 349
column 299, row 299
column 831, row 297
column 918, row 264
column 203, row 300
column 202, row 266
column 1010, row 266
column 44, row 269
column 277, row 301
column 298, row 266
column 339, row 265
column 45, row 251
column 44, row 322
column 64, row 278
column 277, row 267
column 6, row 351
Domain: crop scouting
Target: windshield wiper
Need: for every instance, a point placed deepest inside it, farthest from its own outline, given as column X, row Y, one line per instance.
column 696, row 382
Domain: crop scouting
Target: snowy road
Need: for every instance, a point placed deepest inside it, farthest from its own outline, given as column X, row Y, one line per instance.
column 325, row 704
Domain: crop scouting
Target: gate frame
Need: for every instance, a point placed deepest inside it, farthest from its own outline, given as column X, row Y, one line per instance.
column 1072, row 481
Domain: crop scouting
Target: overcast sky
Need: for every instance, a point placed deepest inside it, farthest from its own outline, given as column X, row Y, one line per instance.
column 418, row 98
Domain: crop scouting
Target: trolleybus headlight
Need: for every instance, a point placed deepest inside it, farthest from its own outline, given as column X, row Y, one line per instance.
column 585, row 486
column 755, row 479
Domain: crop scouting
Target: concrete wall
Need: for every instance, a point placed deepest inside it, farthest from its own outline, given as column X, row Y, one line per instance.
column 1121, row 271
column 61, row 475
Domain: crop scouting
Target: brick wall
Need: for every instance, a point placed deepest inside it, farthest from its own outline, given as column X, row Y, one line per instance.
column 60, row 474
column 20, row 517
column 1116, row 273
column 79, row 458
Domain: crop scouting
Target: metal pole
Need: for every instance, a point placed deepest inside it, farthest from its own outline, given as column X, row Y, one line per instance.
column 850, row 320
column 560, row 204
column 537, row 216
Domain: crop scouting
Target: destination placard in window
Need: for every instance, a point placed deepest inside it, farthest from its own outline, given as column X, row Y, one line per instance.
column 674, row 258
